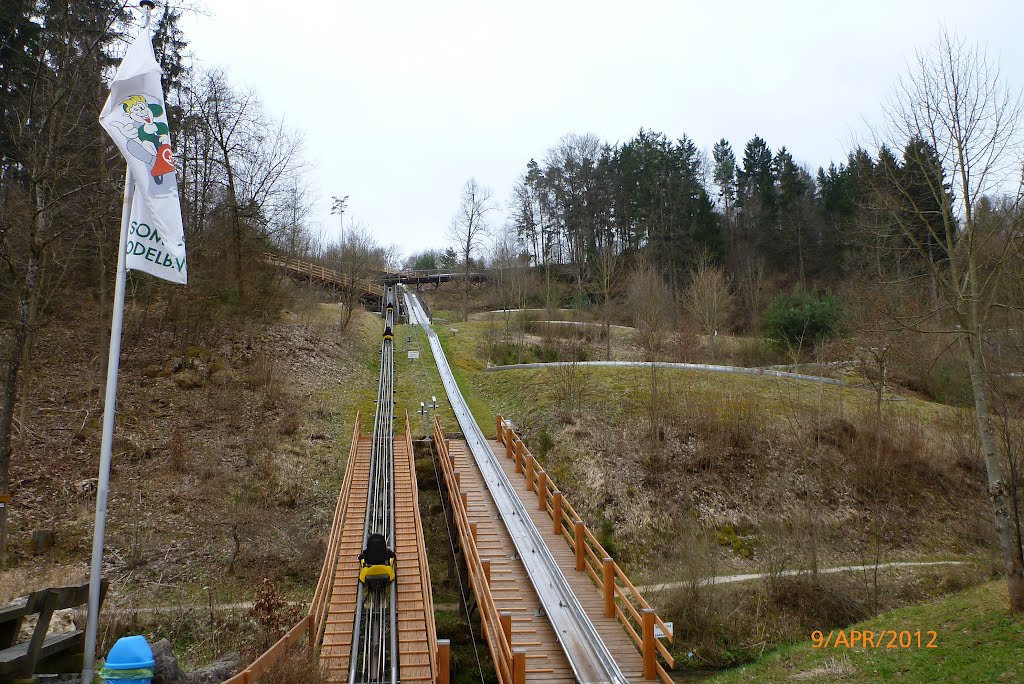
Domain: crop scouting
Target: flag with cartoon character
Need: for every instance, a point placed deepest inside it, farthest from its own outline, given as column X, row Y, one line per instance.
column 136, row 118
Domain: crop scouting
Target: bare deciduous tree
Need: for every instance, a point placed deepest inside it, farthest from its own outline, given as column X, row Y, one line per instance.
column 607, row 272
column 651, row 302
column 750, row 283
column 512, row 282
column 358, row 258
column 956, row 102
column 257, row 155
column 575, row 184
column 709, row 298
column 468, row 229
column 569, row 380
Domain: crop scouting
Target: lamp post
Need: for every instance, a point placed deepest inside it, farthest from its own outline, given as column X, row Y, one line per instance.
column 424, row 411
column 338, row 207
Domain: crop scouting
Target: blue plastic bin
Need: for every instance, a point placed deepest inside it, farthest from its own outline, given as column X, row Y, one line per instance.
column 130, row 661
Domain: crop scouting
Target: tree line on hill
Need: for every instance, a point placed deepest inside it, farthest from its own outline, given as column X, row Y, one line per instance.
column 667, row 199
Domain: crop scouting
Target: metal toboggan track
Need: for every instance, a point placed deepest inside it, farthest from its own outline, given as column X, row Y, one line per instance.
column 374, row 658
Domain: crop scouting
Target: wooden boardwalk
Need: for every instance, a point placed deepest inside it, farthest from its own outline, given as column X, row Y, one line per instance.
column 306, row 270
column 590, row 597
column 337, row 642
column 510, row 586
column 417, row 643
column 416, row 648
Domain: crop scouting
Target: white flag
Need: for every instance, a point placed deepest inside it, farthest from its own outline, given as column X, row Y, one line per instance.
column 135, row 117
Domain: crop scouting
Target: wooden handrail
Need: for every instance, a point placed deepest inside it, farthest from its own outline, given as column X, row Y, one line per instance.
column 640, row 599
column 270, row 657
column 625, row 595
column 499, row 643
column 570, row 510
column 424, row 569
column 321, row 597
column 628, row 627
column 568, row 520
column 619, row 593
column 317, row 271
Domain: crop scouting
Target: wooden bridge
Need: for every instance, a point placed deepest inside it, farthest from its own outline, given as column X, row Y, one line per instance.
column 433, row 277
column 309, row 271
column 315, row 273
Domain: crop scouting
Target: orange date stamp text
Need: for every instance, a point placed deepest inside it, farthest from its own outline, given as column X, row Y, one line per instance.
column 886, row 638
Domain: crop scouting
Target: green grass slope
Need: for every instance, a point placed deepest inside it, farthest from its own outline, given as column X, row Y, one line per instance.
column 977, row 640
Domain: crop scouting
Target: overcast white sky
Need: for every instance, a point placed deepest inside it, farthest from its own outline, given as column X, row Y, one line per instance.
column 401, row 102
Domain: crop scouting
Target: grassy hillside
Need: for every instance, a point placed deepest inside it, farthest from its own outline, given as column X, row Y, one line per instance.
column 976, row 640
column 728, row 474
column 227, row 460
column 813, row 444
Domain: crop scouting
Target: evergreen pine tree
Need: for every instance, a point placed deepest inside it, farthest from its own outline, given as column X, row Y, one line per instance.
column 755, row 198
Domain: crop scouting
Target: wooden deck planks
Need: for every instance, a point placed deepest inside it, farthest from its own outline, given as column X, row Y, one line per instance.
column 415, row 660
column 337, row 642
column 590, row 597
column 510, row 586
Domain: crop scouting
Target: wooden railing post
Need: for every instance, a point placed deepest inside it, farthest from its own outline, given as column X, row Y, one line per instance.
column 485, row 563
column 608, row 568
column 518, row 666
column 505, row 618
column 529, row 473
column 310, row 631
column 473, row 530
column 556, row 511
column 542, row 490
column 519, row 455
column 650, row 662
column 581, row 541
column 509, row 444
column 458, row 481
column 464, row 498
column 444, row 661
column 498, row 428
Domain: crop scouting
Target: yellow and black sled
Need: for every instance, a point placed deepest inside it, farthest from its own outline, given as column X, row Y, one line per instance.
column 376, row 563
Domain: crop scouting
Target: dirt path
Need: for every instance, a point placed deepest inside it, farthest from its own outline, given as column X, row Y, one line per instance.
column 738, row 370
column 729, row 579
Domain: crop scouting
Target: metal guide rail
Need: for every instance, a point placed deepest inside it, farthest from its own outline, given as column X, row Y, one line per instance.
column 590, row 658
column 374, row 658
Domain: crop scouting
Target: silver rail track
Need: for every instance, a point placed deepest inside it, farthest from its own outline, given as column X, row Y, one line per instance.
column 588, row 655
column 374, row 658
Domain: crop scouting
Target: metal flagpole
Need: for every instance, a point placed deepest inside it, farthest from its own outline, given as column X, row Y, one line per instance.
column 109, row 403
column 109, row 409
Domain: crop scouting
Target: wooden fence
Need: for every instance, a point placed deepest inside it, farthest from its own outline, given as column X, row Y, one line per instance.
column 312, row 625
column 621, row 598
column 321, row 602
column 259, row 666
column 321, row 274
column 509, row 663
column 428, row 597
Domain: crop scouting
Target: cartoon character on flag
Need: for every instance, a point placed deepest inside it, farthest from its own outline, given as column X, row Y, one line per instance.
column 135, row 116
column 149, row 138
